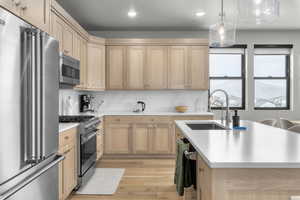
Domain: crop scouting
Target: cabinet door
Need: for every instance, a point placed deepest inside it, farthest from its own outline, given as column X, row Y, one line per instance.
column 67, row 40
column 96, row 66
column 69, row 171
column 116, row 59
column 156, row 74
column 76, row 46
column 161, row 139
column 141, row 138
column 12, row 6
column 99, row 144
column 135, row 67
column 57, row 30
column 61, row 176
column 83, row 64
column 36, row 12
column 177, row 66
column 198, row 77
column 117, row 139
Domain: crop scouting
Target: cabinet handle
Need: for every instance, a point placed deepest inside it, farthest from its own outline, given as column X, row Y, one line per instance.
column 201, row 170
column 24, row 7
column 16, row 2
column 66, row 51
column 66, row 152
column 66, row 137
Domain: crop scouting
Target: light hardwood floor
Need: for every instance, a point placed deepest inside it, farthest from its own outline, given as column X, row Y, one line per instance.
column 144, row 179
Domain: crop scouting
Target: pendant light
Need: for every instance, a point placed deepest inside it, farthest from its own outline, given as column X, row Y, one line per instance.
column 222, row 34
column 258, row 11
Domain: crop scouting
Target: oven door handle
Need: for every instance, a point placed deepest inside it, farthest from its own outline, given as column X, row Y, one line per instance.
column 90, row 136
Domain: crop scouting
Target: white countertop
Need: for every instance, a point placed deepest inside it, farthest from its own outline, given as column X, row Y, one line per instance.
column 160, row 113
column 65, row 126
column 260, row 146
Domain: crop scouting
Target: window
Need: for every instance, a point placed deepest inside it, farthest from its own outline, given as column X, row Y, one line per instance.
column 272, row 77
column 227, row 72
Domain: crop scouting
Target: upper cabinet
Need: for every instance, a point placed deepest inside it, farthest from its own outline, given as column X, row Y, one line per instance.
column 136, row 56
column 36, row 12
column 156, row 74
column 153, row 64
column 177, row 76
column 115, row 67
column 96, row 64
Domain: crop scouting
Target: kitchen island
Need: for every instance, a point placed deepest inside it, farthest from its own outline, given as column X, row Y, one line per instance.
column 260, row 163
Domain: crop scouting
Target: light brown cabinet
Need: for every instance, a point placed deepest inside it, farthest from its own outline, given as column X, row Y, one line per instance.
column 177, row 68
column 68, row 167
column 134, row 67
column 198, row 71
column 116, row 63
column 67, row 43
column 156, row 74
column 83, row 64
column 117, row 138
column 141, row 138
column 12, row 6
column 57, row 29
column 162, row 139
column 36, row 12
column 142, row 135
column 96, row 66
column 76, row 46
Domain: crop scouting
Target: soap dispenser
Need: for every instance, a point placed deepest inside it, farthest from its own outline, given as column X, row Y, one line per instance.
column 235, row 119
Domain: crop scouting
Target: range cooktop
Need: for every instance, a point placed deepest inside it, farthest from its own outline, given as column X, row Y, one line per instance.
column 75, row 118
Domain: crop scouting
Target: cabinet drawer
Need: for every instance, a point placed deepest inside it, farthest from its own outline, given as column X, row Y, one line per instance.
column 67, row 137
column 137, row 119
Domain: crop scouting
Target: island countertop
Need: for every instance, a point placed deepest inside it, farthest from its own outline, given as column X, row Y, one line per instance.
column 260, row 146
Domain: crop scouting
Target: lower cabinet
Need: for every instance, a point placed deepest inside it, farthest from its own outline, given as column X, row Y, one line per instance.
column 100, row 141
column 68, row 167
column 117, row 139
column 142, row 136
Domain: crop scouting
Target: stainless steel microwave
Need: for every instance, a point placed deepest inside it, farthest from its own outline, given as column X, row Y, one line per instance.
column 69, row 70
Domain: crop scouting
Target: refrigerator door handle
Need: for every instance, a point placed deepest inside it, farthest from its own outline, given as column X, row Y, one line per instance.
column 31, row 178
column 31, row 139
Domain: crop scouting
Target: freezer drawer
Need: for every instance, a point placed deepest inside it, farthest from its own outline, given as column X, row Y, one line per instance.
column 42, row 185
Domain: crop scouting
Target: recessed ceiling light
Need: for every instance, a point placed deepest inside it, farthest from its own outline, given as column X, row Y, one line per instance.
column 132, row 14
column 200, row 14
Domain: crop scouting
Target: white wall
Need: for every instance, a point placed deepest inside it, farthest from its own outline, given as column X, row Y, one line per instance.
column 243, row 37
column 124, row 101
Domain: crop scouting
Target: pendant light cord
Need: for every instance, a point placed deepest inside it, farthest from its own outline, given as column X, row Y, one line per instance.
column 222, row 10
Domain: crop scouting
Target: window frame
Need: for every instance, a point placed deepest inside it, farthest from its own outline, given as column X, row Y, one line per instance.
column 242, row 77
column 287, row 77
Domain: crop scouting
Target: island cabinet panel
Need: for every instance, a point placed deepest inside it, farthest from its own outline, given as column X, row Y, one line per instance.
column 141, row 138
column 117, row 138
column 115, row 68
column 197, row 72
column 135, row 67
column 156, row 74
column 177, row 69
column 246, row 183
column 36, row 12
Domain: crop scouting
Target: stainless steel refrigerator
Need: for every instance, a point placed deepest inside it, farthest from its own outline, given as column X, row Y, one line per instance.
column 29, row 63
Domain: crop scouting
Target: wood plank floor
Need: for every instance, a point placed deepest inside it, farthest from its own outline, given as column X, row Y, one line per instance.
column 144, row 179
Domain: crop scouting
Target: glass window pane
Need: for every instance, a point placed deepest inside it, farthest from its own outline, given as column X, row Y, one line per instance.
column 225, row 64
column 270, row 93
column 269, row 65
column 232, row 87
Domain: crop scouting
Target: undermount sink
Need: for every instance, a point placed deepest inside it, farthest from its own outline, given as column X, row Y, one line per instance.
column 206, row 126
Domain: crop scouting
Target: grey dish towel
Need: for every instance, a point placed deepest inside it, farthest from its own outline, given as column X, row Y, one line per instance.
column 185, row 172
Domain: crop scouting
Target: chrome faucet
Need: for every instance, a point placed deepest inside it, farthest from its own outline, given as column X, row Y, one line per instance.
column 227, row 118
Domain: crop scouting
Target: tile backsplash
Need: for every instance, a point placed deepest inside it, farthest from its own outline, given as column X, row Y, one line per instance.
column 124, row 101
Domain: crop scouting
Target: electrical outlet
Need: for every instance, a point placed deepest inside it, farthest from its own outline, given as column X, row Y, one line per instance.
column 295, row 198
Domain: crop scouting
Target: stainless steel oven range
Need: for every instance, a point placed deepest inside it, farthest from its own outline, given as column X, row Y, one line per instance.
column 87, row 143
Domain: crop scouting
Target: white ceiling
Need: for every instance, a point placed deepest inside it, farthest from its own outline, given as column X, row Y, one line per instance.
column 168, row 14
